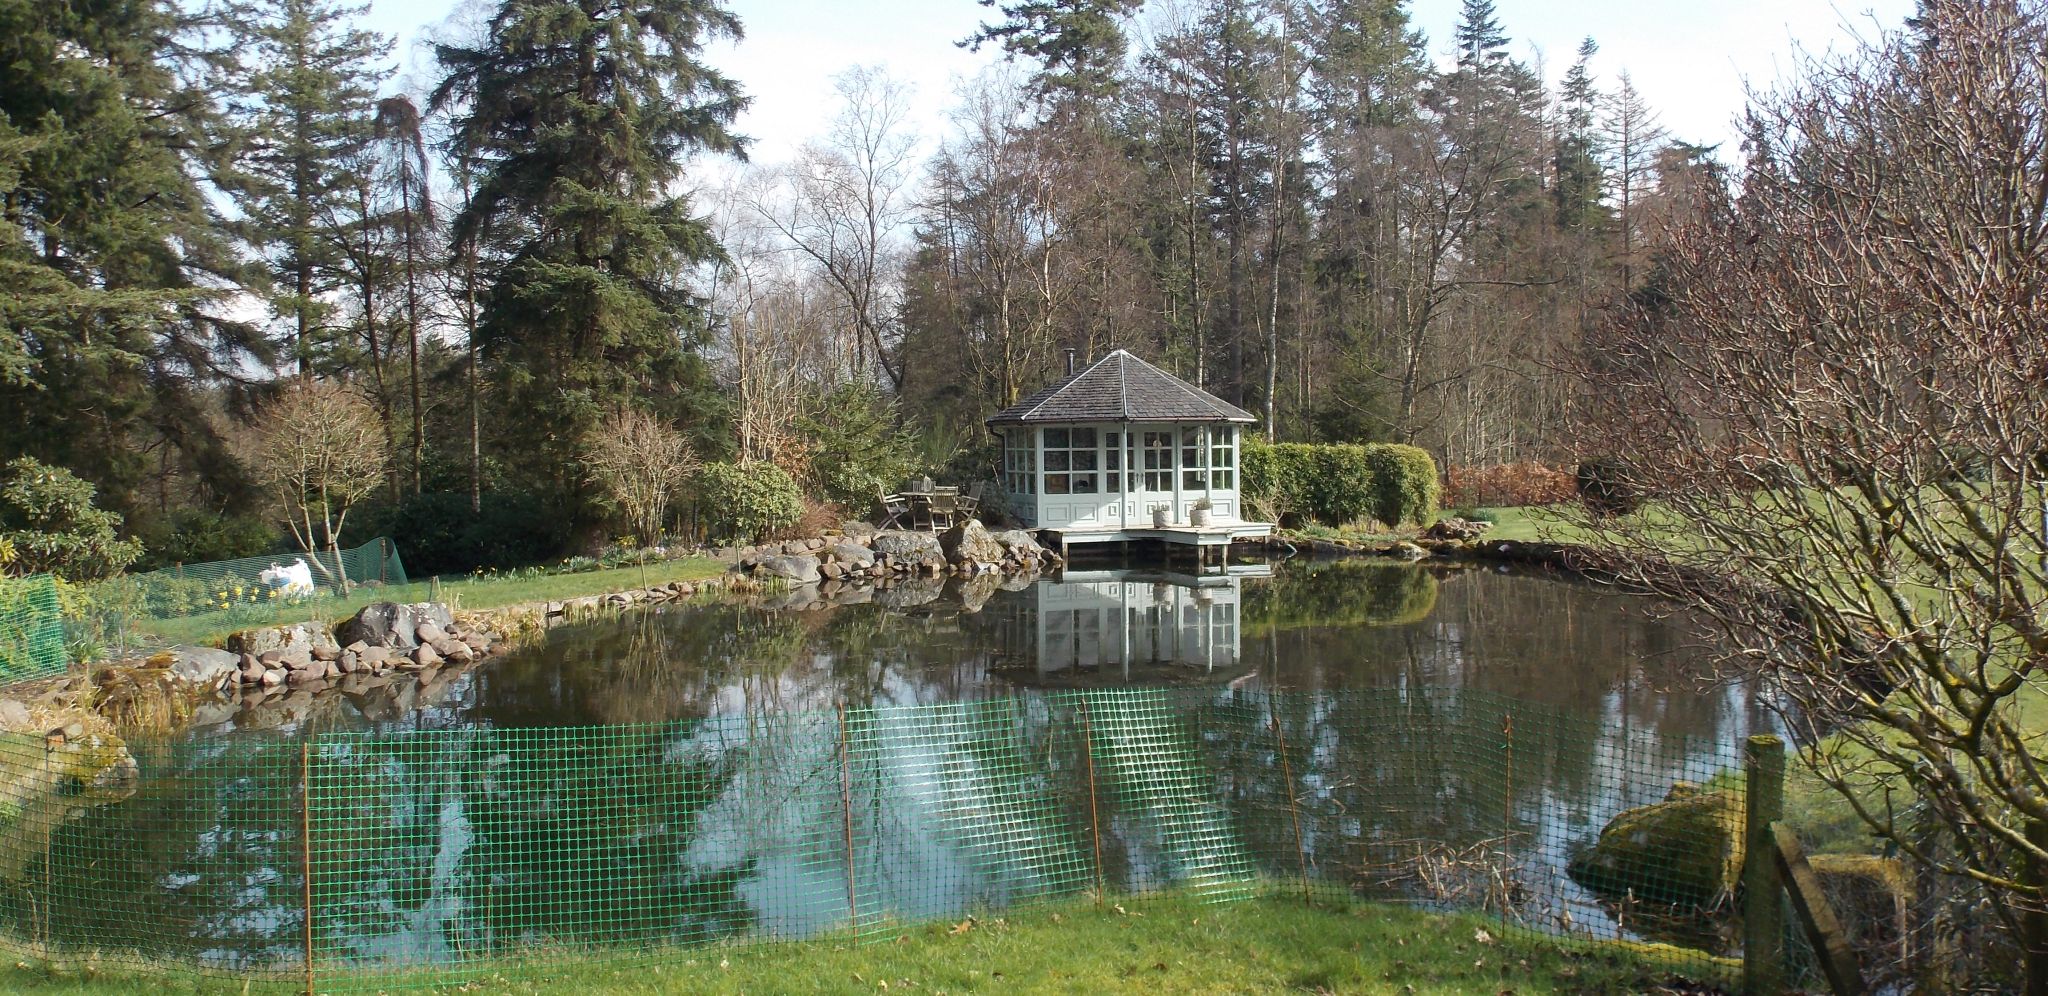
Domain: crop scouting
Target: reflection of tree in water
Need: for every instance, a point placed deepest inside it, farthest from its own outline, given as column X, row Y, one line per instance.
column 724, row 812
column 1339, row 593
column 198, row 865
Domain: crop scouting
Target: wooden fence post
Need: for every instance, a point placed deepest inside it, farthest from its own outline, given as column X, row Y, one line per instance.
column 1763, row 910
column 1824, row 933
column 1094, row 815
column 2034, row 921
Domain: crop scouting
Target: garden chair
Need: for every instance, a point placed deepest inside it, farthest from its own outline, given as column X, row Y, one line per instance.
column 894, row 508
column 942, row 509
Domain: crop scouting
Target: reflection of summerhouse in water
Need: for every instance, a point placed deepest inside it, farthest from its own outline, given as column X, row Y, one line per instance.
column 1124, row 451
column 1125, row 626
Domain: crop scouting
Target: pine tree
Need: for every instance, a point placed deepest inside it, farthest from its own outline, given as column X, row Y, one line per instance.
column 117, row 269
column 1577, row 183
column 306, row 85
column 1079, row 44
column 1480, row 40
column 578, row 116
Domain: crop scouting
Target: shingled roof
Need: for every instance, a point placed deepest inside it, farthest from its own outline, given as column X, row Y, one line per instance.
column 1120, row 388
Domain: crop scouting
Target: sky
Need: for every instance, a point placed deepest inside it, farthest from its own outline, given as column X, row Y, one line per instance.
column 1691, row 59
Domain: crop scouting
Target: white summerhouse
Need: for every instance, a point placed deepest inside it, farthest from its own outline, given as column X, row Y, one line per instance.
column 1123, row 450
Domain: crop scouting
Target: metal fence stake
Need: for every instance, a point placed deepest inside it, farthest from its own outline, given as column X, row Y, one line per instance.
column 1293, row 804
column 1094, row 820
column 306, row 849
column 846, row 809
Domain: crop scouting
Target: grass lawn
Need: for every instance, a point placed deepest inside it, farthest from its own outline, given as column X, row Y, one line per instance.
column 1173, row 944
column 461, row 592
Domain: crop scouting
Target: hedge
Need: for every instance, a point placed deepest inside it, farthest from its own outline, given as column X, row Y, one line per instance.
column 1337, row 484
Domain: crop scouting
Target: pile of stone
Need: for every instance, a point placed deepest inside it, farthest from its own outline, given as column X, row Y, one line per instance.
column 674, row 591
column 383, row 637
column 861, row 555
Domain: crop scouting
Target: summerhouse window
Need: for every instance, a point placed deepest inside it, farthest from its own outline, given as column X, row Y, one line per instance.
column 1020, row 463
column 1223, row 457
column 1158, row 461
column 1072, row 463
column 1112, row 463
column 1194, row 475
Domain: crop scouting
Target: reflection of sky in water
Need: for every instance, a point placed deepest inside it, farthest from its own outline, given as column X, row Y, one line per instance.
column 1391, row 685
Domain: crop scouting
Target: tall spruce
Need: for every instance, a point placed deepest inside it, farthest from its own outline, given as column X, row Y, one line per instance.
column 1079, row 44
column 305, row 90
column 579, row 117
column 406, row 211
column 117, row 268
column 1576, row 186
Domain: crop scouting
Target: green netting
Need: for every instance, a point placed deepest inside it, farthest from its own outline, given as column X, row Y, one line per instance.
column 195, row 602
column 409, row 858
column 31, row 628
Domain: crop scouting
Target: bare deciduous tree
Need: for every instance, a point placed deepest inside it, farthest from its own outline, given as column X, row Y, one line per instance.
column 640, row 462
column 1836, row 391
column 320, row 447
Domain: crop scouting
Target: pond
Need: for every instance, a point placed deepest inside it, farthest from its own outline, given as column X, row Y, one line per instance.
column 1445, row 736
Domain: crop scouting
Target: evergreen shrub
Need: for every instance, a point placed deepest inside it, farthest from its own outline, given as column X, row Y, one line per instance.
column 743, row 501
column 1339, row 483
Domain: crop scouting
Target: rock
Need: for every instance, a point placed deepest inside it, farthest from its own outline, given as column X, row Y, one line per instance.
column 795, row 547
column 1455, row 529
column 203, row 665
column 303, row 636
column 374, row 655
column 1407, row 551
column 970, row 543
column 429, row 633
column 833, row 570
column 1020, row 543
column 381, row 624
column 1686, row 850
column 858, row 532
column 854, row 555
column 797, row 569
column 14, row 717
column 909, row 547
column 426, row 656
column 272, row 679
column 296, row 657
column 252, row 672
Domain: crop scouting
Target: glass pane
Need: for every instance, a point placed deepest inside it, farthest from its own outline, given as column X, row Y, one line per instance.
column 1084, row 438
column 1110, row 439
column 1191, row 437
column 1055, row 437
column 1057, row 459
column 1110, row 482
column 1084, row 484
column 1159, row 439
column 1084, row 459
column 1056, row 484
column 1113, row 459
column 1191, row 480
column 1219, row 456
column 1190, row 457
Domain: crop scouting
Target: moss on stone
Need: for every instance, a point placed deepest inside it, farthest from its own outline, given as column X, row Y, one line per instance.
column 1685, row 850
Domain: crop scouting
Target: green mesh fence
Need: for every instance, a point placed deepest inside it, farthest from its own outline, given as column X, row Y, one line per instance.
column 189, row 602
column 31, row 628
column 380, row 860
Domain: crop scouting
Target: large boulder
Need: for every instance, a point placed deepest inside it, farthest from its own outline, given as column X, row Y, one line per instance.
column 1020, row 543
column 307, row 638
column 1686, row 850
column 394, row 625
column 796, row 568
column 858, row 531
column 853, row 554
column 203, row 665
column 909, row 547
column 1456, row 530
column 970, row 543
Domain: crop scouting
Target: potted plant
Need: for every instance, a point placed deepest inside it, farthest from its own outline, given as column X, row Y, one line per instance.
column 1198, row 515
column 1162, row 516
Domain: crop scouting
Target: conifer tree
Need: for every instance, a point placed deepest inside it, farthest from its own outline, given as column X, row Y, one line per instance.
column 579, row 116
column 116, row 266
column 305, row 93
column 1577, row 181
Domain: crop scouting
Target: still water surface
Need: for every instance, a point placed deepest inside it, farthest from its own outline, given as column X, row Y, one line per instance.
column 1336, row 720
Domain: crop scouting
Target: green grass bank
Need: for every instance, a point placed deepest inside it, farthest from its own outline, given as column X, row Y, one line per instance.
column 1161, row 944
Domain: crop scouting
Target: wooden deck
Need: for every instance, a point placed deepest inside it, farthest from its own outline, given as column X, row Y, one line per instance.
column 1215, row 536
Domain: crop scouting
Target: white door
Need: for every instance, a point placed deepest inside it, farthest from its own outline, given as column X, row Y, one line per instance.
column 1156, row 469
